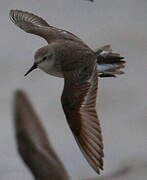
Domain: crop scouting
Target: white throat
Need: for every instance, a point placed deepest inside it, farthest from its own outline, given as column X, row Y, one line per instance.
column 49, row 66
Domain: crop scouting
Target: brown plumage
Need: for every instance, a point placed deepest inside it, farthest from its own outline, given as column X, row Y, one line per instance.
column 33, row 144
column 79, row 100
column 69, row 57
column 33, row 24
column 110, row 64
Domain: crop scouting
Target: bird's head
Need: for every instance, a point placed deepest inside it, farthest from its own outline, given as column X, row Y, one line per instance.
column 43, row 59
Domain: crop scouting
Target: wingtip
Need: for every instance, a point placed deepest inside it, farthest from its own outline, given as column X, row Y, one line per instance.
column 97, row 165
column 12, row 15
column 98, row 169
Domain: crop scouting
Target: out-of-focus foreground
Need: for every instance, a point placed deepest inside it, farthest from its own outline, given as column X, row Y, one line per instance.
column 33, row 144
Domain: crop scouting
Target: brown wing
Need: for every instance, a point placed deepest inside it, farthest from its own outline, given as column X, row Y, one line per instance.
column 33, row 24
column 79, row 101
column 33, row 144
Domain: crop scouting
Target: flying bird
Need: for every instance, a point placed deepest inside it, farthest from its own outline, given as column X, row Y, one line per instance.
column 33, row 144
column 68, row 57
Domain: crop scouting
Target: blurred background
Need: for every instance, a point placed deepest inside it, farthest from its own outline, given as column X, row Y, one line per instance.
column 121, row 103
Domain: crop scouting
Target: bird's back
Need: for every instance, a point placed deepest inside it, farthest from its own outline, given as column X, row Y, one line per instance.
column 72, row 53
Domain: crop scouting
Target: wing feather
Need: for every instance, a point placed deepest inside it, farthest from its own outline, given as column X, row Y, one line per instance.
column 33, row 24
column 79, row 101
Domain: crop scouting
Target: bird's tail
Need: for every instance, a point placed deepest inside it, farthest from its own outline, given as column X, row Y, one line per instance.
column 109, row 64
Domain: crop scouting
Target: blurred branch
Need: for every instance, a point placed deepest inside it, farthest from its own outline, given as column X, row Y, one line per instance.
column 33, row 144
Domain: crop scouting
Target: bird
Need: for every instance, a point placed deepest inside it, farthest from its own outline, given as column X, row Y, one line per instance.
column 67, row 56
column 32, row 142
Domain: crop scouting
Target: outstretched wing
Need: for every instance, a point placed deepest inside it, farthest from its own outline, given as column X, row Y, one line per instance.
column 33, row 24
column 79, row 101
column 33, row 144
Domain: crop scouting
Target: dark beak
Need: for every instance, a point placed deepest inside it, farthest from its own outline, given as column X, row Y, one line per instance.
column 31, row 69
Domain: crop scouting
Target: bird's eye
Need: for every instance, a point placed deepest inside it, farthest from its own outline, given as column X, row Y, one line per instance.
column 44, row 58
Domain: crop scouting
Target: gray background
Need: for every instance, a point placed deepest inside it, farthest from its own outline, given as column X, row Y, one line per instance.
column 122, row 102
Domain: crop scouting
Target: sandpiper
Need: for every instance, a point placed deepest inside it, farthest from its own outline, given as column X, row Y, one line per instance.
column 69, row 57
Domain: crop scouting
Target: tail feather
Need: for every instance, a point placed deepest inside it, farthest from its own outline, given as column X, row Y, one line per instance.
column 109, row 63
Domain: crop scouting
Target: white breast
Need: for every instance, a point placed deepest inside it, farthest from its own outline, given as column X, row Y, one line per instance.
column 50, row 68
